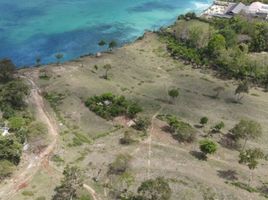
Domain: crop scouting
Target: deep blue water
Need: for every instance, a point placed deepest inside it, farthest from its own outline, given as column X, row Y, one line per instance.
column 42, row 28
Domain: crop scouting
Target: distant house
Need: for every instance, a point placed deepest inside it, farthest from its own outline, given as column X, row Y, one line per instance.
column 258, row 9
column 235, row 9
column 224, row 9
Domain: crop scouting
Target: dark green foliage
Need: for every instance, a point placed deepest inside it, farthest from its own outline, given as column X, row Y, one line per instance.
column 154, row 189
column 12, row 96
column 10, row 149
column 208, row 146
column 112, row 44
column 188, row 16
column 102, row 43
column 260, row 38
column 7, row 69
column 59, row 56
column 70, row 184
column 141, row 123
column 218, row 127
column 120, row 164
column 173, row 93
column 181, row 131
column 108, row 106
column 203, row 121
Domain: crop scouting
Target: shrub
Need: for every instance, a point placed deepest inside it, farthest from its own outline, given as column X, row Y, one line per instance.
column 218, row 127
column 120, row 165
column 203, row 121
column 141, row 123
column 181, row 131
column 208, row 147
column 6, row 169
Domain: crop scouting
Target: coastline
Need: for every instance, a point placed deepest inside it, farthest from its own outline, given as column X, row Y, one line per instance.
column 121, row 36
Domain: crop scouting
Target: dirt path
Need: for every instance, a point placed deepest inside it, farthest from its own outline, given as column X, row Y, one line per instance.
column 92, row 192
column 23, row 176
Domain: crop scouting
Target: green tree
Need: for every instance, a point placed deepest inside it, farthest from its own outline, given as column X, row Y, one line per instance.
column 70, row 184
column 243, row 87
column 12, row 95
column 10, row 149
column 59, row 56
column 102, row 43
column 16, row 123
column 247, row 129
column 112, row 45
column 215, row 45
column 7, row 70
column 154, row 189
column 38, row 61
column 230, row 36
column 107, row 68
column 217, row 128
column 203, row 121
column 260, row 38
column 207, row 147
column 250, row 158
column 173, row 93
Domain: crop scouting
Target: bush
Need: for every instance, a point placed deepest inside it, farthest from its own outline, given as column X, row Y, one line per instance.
column 10, row 149
column 208, row 147
column 181, row 131
column 6, row 169
column 142, row 123
column 120, row 165
column 203, row 121
column 218, row 127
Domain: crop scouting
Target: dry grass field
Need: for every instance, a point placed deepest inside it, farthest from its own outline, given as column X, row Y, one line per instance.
column 144, row 72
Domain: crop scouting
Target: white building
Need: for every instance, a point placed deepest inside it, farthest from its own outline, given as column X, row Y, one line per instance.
column 258, row 9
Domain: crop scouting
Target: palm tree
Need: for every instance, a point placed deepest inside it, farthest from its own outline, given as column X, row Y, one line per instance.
column 107, row 67
column 58, row 56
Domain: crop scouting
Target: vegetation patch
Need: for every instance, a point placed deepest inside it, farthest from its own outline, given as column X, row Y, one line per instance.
column 109, row 106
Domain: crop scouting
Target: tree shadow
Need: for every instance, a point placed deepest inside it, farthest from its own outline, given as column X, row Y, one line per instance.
column 232, row 100
column 230, row 175
column 199, row 155
column 228, row 141
column 198, row 126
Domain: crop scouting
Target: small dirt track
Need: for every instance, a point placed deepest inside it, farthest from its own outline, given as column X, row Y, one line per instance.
column 23, row 176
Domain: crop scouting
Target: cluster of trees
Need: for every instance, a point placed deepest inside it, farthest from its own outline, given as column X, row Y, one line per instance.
column 221, row 43
column 111, row 45
column 109, row 105
column 152, row 189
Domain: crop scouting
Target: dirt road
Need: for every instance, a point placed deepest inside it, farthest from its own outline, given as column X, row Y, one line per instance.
column 32, row 163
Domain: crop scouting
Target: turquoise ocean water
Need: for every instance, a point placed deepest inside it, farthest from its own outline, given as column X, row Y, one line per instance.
column 41, row 28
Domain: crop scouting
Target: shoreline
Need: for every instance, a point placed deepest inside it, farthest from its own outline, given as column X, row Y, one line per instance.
column 197, row 10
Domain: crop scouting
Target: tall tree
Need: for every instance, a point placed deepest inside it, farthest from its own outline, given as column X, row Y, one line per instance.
column 247, row 129
column 243, row 87
column 173, row 93
column 112, row 44
column 59, row 56
column 7, row 69
column 107, row 68
column 70, row 184
column 250, row 158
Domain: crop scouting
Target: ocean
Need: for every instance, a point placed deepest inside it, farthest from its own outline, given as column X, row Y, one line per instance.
column 43, row 28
